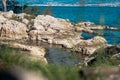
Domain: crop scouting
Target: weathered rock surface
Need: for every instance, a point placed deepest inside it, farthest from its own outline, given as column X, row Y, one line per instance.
column 89, row 46
column 43, row 22
column 13, row 29
column 55, row 31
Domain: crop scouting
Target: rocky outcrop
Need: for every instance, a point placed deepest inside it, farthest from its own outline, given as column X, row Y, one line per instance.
column 43, row 22
column 91, row 45
column 89, row 27
column 13, row 29
column 53, row 30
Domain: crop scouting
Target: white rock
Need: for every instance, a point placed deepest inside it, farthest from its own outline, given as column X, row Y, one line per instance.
column 8, row 14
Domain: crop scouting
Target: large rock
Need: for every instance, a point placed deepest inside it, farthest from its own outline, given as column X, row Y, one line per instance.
column 54, row 30
column 42, row 22
column 89, row 46
column 13, row 29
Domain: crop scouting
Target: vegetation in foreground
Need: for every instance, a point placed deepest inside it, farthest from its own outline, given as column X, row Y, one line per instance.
column 10, row 57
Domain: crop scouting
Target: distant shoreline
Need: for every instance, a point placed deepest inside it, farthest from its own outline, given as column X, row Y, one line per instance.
column 75, row 5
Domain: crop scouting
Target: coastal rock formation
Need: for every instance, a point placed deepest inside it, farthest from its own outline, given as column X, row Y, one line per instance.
column 89, row 46
column 13, row 29
column 43, row 22
column 89, row 27
column 52, row 30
